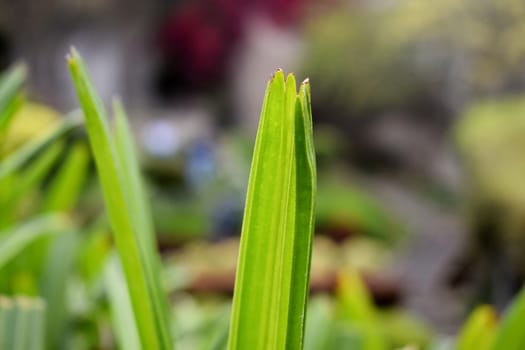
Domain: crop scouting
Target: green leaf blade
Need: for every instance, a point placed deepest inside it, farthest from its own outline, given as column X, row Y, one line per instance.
column 510, row 335
column 14, row 240
column 140, row 215
column 32, row 177
column 305, row 189
column 18, row 158
column 274, row 261
column 10, row 85
column 479, row 330
column 357, row 310
column 69, row 181
column 136, row 260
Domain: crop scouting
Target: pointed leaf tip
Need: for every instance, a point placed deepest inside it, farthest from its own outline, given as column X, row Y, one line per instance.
column 290, row 81
column 277, row 73
column 278, row 76
column 74, row 51
column 72, row 55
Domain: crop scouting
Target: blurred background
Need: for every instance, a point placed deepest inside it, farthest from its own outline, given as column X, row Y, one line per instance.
column 419, row 124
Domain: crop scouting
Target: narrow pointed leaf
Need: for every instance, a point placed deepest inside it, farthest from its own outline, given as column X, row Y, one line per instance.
column 271, row 287
column 138, row 260
column 140, row 212
column 305, row 185
column 132, row 178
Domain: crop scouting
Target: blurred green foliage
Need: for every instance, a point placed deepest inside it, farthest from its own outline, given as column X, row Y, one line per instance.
column 352, row 321
column 479, row 329
column 490, row 139
column 346, row 210
column 373, row 56
column 491, row 144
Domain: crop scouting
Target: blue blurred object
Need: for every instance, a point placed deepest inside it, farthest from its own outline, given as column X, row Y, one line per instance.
column 200, row 164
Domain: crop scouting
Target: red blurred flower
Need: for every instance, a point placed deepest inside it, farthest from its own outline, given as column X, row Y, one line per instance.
column 198, row 37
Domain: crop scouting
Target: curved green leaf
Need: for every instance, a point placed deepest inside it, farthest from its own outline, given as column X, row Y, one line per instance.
column 18, row 158
column 14, row 240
